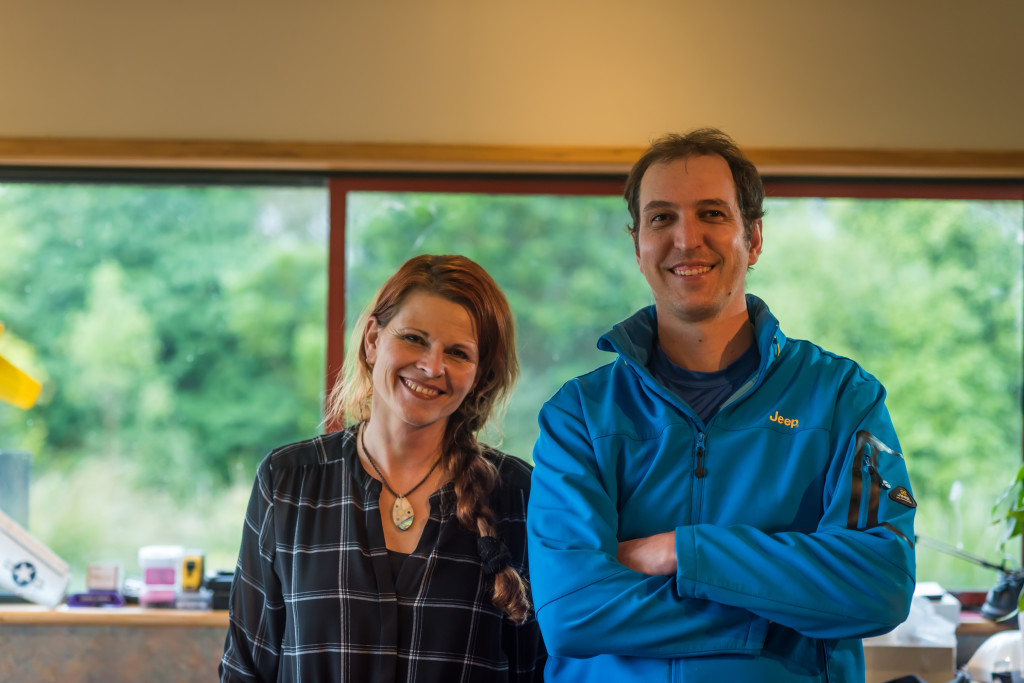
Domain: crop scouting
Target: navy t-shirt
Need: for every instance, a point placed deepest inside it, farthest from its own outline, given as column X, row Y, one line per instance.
column 705, row 392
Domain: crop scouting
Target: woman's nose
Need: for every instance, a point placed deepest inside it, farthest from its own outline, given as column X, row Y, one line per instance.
column 432, row 362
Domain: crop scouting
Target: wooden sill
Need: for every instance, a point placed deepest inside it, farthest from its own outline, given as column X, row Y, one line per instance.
column 973, row 624
column 397, row 157
column 36, row 615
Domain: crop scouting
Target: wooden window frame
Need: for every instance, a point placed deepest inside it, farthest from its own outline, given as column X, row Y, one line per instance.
column 612, row 185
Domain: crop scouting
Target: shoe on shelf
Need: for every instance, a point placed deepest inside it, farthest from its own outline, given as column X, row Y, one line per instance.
column 1001, row 600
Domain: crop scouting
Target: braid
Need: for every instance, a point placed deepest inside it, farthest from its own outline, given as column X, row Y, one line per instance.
column 474, row 478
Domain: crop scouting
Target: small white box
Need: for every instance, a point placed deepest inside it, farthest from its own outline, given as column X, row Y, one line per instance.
column 103, row 576
column 946, row 606
column 887, row 662
column 28, row 568
column 161, row 574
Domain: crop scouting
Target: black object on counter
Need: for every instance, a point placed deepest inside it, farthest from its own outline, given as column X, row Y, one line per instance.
column 220, row 584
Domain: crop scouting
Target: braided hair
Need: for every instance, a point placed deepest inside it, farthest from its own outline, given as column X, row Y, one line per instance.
column 464, row 282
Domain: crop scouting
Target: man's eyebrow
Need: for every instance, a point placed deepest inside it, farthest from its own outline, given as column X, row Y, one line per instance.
column 658, row 204
column 716, row 203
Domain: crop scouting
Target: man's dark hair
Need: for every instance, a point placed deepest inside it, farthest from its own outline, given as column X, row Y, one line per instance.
column 698, row 143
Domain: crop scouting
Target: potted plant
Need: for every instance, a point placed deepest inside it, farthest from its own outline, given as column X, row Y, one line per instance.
column 1008, row 511
column 1006, row 595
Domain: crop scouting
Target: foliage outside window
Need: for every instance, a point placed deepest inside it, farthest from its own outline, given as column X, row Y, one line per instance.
column 925, row 294
column 179, row 333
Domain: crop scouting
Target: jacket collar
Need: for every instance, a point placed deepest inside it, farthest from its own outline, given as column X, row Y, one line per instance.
column 633, row 338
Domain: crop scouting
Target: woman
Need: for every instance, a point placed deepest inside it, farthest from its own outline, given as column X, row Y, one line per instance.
column 395, row 549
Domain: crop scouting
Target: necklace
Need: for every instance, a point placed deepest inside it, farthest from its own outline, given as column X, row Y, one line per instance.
column 402, row 514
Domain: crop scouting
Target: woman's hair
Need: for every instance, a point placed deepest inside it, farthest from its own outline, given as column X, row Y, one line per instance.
column 461, row 281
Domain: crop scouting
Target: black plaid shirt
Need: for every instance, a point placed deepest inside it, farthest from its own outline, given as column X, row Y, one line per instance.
column 314, row 598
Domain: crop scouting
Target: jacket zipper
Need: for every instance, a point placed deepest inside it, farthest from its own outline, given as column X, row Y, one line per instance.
column 699, row 471
column 877, row 488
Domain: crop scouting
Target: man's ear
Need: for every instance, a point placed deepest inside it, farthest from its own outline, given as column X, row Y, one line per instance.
column 370, row 336
column 755, row 243
column 636, row 248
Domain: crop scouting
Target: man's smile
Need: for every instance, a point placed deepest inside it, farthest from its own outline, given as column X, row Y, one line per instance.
column 691, row 270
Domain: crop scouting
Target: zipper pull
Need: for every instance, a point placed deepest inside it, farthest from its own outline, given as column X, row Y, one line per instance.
column 699, row 471
column 873, row 472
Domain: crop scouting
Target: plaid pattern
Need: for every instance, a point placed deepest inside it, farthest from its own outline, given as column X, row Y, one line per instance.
column 314, row 597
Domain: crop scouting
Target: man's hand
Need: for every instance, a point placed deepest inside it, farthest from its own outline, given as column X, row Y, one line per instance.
column 654, row 555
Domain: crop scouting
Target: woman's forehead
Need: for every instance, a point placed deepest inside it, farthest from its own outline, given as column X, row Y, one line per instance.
column 437, row 316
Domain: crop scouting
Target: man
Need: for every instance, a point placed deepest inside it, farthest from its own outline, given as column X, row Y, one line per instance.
column 720, row 502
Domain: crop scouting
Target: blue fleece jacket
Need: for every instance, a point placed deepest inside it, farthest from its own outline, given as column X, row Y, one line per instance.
column 792, row 510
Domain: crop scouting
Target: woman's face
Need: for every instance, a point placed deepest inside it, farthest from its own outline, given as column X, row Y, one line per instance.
column 424, row 362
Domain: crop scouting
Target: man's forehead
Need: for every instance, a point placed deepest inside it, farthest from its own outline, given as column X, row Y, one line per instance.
column 707, row 178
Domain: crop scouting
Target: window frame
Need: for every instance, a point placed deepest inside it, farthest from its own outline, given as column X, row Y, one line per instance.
column 340, row 185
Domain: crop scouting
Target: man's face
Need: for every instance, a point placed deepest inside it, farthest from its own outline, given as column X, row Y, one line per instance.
column 690, row 239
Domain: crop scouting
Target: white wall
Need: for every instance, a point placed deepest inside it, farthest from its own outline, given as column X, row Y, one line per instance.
column 887, row 74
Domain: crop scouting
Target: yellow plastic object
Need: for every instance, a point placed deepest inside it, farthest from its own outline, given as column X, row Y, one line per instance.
column 191, row 572
column 16, row 387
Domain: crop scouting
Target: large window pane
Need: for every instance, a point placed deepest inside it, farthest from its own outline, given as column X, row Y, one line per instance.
column 565, row 263
column 925, row 294
column 179, row 333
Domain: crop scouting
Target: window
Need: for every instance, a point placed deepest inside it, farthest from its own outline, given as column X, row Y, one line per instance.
column 179, row 331
column 925, row 293
column 564, row 263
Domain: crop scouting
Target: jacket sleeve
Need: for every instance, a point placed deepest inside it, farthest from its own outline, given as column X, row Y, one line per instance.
column 848, row 578
column 587, row 603
column 256, row 608
column 853, row 576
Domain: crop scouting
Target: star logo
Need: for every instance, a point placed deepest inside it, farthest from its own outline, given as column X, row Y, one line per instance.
column 23, row 573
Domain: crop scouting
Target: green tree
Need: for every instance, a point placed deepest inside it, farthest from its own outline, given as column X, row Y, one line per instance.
column 926, row 295
column 180, row 335
column 565, row 264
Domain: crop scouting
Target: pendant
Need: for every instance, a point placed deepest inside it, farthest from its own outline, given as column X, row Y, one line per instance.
column 402, row 514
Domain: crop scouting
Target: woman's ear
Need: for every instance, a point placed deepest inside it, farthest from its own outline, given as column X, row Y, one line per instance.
column 370, row 336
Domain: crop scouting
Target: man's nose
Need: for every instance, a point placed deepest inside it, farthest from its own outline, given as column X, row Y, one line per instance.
column 688, row 232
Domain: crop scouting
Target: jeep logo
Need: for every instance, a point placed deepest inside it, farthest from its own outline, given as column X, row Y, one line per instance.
column 784, row 420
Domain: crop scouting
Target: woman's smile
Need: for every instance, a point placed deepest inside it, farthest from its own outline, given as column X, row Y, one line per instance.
column 421, row 389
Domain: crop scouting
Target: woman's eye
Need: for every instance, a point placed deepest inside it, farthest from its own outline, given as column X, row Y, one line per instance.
column 413, row 338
